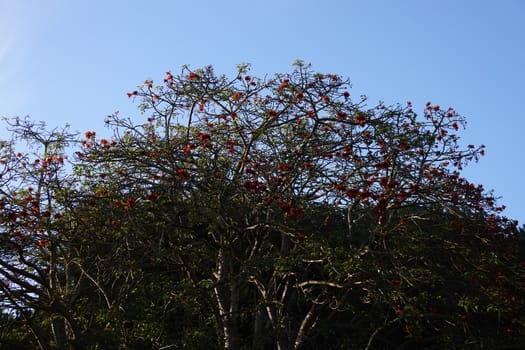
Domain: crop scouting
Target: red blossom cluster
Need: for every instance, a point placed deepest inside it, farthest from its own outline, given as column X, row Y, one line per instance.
column 133, row 93
column 291, row 211
column 193, row 76
column 183, row 174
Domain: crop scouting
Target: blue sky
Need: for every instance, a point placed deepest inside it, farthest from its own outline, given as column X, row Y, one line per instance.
column 72, row 62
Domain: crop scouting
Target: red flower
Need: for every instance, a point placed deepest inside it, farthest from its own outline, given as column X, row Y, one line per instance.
column 130, row 202
column 192, row 76
column 341, row 115
column 403, row 145
column 236, row 96
column 284, row 84
column 285, row 167
column 360, row 119
column 272, row 114
column 89, row 134
column 153, row 197
column 251, row 171
column 254, row 186
column 365, row 194
column 204, row 137
column 346, row 94
column 325, row 98
column 292, row 212
column 384, row 182
column 104, row 143
column 298, row 213
column 201, row 105
column 183, row 174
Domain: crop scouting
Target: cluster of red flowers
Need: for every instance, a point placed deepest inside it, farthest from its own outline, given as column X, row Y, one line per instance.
column 193, row 76
column 360, row 119
column 284, row 84
column 188, row 148
column 291, row 211
column 205, row 139
column 133, row 93
column 285, row 167
column 237, row 96
column 183, row 174
column 254, row 186
column 105, row 143
column 202, row 104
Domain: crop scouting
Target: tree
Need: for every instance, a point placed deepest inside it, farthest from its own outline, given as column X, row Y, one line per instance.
column 273, row 213
column 249, row 166
column 36, row 274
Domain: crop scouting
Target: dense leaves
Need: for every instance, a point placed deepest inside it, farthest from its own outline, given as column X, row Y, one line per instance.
column 271, row 213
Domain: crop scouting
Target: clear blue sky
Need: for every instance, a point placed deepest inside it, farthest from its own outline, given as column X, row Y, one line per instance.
column 73, row 61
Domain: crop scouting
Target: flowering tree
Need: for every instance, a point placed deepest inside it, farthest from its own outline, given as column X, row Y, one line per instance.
column 36, row 275
column 276, row 213
column 263, row 172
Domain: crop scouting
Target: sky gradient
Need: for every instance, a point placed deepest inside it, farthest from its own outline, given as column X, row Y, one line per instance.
column 73, row 61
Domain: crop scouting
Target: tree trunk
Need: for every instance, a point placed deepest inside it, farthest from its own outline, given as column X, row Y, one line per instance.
column 258, row 326
column 227, row 295
column 234, row 315
column 308, row 323
column 58, row 328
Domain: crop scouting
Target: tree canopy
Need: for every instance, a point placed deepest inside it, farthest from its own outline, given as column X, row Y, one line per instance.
column 264, row 213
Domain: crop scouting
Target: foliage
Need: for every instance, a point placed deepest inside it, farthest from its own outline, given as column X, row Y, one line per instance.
column 272, row 213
